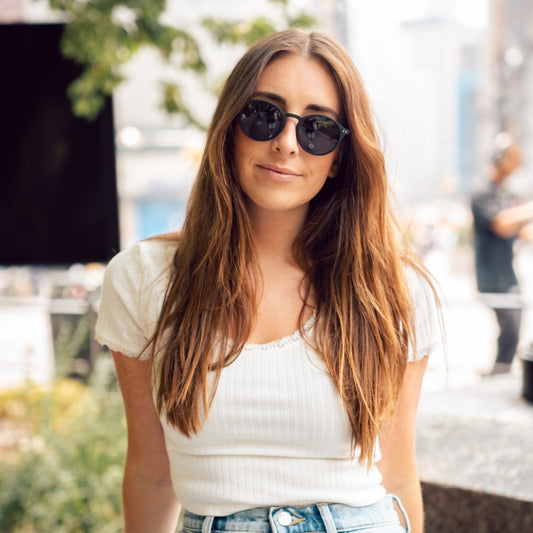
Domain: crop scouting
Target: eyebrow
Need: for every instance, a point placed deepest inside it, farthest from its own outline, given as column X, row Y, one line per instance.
column 277, row 99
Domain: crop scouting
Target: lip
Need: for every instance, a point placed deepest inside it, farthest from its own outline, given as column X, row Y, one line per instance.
column 279, row 173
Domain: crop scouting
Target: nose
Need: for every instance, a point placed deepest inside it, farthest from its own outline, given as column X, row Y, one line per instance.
column 286, row 142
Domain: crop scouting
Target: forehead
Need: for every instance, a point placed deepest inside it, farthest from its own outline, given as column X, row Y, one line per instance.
column 302, row 81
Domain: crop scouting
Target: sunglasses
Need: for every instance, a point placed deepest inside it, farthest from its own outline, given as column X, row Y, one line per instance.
column 317, row 134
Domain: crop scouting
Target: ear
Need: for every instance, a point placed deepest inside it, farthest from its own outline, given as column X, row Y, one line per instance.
column 334, row 168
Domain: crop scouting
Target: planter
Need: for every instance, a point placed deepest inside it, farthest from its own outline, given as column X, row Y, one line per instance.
column 526, row 356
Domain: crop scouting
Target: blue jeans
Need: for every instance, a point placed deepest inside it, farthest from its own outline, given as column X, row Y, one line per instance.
column 380, row 517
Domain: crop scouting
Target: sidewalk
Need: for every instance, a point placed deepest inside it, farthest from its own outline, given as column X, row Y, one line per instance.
column 478, row 437
column 474, row 435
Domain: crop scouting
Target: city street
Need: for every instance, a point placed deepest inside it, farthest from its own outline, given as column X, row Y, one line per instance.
column 475, row 433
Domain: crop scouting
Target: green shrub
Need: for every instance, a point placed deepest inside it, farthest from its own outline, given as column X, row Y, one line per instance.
column 65, row 474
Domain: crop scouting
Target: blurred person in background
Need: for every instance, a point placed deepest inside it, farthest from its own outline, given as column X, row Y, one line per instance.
column 499, row 219
column 271, row 354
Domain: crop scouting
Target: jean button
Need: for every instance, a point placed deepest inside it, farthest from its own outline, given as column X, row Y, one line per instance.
column 284, row 518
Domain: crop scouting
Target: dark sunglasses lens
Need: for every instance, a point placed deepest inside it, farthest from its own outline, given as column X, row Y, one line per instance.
column 261, row 121
column 318, row 135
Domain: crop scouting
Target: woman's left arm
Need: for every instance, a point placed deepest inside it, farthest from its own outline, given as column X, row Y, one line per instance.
column 397, row 442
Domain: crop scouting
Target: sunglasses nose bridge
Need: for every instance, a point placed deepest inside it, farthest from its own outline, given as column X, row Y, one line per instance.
column 295, row 117
column 288, row 136
column 284, row 130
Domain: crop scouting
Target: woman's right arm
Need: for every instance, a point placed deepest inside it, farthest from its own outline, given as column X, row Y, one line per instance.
column 150, row 504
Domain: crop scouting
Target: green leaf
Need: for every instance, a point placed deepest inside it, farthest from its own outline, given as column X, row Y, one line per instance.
column 173, row 103
column 68, row 478
column 97, row 38
column 302, row 20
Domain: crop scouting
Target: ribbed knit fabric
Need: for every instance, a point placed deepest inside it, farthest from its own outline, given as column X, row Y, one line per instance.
column 277, row 433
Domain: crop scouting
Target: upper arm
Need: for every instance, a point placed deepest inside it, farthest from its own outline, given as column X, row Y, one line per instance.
column 145, row 434
column 149, row 501
column 397, row 437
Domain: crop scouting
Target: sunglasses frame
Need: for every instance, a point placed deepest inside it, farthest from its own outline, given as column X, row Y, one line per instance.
column 343, row 132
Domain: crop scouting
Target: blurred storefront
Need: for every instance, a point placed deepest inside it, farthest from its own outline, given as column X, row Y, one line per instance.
column 444, row 77
column 512, row 69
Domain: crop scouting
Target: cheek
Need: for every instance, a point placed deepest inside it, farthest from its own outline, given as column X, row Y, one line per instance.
column 243, row 148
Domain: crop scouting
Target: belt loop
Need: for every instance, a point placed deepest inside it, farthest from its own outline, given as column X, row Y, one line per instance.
column 398, row 502
column 207, row 524
column 327, row 518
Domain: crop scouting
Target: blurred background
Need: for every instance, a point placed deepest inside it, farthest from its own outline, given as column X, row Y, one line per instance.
column 444, row 76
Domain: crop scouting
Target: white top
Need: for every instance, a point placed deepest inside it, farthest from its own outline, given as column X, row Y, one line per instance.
column 277, row 433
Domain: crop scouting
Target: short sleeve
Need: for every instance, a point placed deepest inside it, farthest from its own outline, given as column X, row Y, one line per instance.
column 486, row 203
column 427, row 323
column 131, row 297
column 485, row 208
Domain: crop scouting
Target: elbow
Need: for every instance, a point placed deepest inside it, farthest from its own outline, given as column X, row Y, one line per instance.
column 147, row 470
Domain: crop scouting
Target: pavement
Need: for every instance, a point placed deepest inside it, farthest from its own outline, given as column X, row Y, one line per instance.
column 478, row 437
column 475, row 433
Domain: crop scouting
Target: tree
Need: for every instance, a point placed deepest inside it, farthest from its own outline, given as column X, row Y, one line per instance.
column 103, row 35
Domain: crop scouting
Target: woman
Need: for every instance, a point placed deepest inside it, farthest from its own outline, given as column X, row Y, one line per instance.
column 284, row 329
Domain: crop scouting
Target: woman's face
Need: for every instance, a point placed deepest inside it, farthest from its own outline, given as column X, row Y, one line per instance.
column 278, row 175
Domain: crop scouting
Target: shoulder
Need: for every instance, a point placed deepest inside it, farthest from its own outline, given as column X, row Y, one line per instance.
column 143, row 262
column 132, row 293
column 139, row 275
column 420, row 283
column 483, row 191
column 426, row 304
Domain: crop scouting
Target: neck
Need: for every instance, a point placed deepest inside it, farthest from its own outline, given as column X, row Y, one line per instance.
column 498, row 175
column 275, row 232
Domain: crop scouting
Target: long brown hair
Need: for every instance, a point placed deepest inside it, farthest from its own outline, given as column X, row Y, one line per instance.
column 348, row 249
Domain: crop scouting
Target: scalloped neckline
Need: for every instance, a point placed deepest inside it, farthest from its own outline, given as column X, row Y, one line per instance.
column 284, row 341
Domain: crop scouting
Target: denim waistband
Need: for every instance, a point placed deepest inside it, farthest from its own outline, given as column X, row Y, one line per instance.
column 382, row 516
